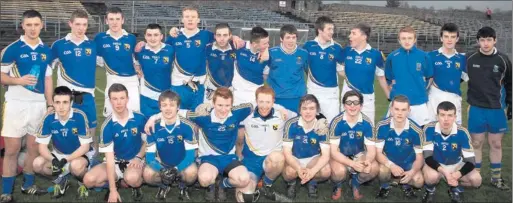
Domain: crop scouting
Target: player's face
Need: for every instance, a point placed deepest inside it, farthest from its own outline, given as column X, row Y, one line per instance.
column 62, row 104
column 78, row 27
column 115, row 21
column 32, row 27
column 308, row 111
column 353, row 105
column 222, row 107
column 168, row 108
column 446, row 118
column 265, row 103
column 327, row 33
column 356, row 37
column 449, row 39
column 153, row 37
column 400, row 111
column 190, row 19
column 223, row 36
column 407, row 40
column 118, row 101
column 289, row 41
column 261, row 45
column 487, row 44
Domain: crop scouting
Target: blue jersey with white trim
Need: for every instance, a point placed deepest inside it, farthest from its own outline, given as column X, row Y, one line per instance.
column 287, row 72
column 350, row 139
column 361, row 68
column 304, row 144
column 124, row 140
column 220, row 66
column 191, row 54
column 77, row 62
column 66, row 138
column 157, row 67
column 448, row 71
column 249, row 67
column 449, row 149
column 323, row 63
column 117, row 53
column 25, row 60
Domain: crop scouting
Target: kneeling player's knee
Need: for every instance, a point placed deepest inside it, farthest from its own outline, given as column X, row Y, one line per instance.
column 418, row 180
column 133, row 179
column 148, row 175
column 78, row 167
column 205, row 179
column 243, row 179
column 189, row 174
column 338, row 171
column 289, row 172
column 39, row 164
column 476, row 180
column 276, row 160
column 384, row 173
column 325, row 172
column 89, row 180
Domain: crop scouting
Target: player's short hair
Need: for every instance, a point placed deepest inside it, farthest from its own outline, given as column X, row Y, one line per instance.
column 321, row 22
column 364, row 28
column 408, row 29
column 78, row 14
column 222, row 26
column 63, row 90
column 222, row 92
column 171, row 95
column 114, row 10
column 309, row 98
column 31, row 14
column 190, row 8
column 117, row 87
column 451, row 28
column 153, row 26
column 288, row 29
column 258, row 33
column 486, row 32
column 266, row 89
column 401, row 99
column 351, row 93
column 446, row 106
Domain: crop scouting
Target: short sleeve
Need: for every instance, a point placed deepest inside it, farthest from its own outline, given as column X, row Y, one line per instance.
column 466, row 146
column 106, row 138
column 151, row 145
column 288, row 137
column 380, row 64
column 170, row 40
column 242, row 111
column 334, row 131
column 191, row 136
column 8, row 58
column 368, row 135
column 417, row 140
column 82, row 126
column 324, row 140
column 48, row 71
column 44, row 133
column 380, row 136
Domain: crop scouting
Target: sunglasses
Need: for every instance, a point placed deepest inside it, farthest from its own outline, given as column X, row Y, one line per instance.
column 349, row 103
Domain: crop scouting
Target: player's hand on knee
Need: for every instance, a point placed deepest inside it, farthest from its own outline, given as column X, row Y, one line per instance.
column 357, row 166
column 396, row 170
column 139, row 46
column 203, row 109
column 408, row 175
column 308, row 174
column 168, row 175
column 136, row 163
column 173, row 32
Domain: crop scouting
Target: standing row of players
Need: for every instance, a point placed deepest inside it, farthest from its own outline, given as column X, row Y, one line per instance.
column 168, row 65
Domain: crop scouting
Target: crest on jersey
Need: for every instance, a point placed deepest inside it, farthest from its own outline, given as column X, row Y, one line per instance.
column 359, row 134
column 454, row 146
column 197, row 42
column 43, row 57
column 407, row 141
column 331, row 57
column 127, row 47
column 179, row 137
column 88, row 51
column 232, row 55
column 419, row 66
column 457, row 64
column 495, row 68
column 231, row 126
column 134, row 131
column 74, row 131
column 298, row 60
column 165, row 59
column 275, row 127
column 313, row 141
column 368, row 61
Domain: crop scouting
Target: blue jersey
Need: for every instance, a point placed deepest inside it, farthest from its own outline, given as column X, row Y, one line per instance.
column 22, row 60
column 449, row 149
column 77, row 62
column 351, row 139
column 287, row 72
column 220, row 65
column 360, row 68
column 411, row 70
column 66, row 137
column 323, row 63
column 304, row 144
column 157, row 67
column 249, row 67
column 399, row 148
column 448, row 71
column 171, row 141
column 191, row 52
column 123, row 139
column 117, row 53
column 219, row 136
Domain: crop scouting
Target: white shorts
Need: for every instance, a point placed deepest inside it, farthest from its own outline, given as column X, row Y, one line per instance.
column 437, row 96
column 453, row 167
column 328, row 99
column 368, row 108
column 22, row 117
column 132, row 85
column 304, row 161
column 243, row 95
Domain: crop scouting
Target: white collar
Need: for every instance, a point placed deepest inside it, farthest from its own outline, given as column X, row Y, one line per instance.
column 214, row 118
column 163, row 123
column 116, row 119
column 68, row 38
column 406, row 124
column 123, row 33
column 162, row 45
column 330, row 43
column 283, row 49
column 454, row 129
column 440, row 50
column 367, row 47
column 360, row 117
column 69, row 117
column 182, row 30
column 215, row 47
column 23, row 40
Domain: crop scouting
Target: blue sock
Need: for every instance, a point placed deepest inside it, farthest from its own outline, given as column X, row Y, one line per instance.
column 430, row 188
column 495, row 168
column 338, row 184
column 212, row 187
column 8, row 184
column 385, row 185
column 226, row 183
column 405, row 186
column 28, row 180
column 312, row 182
column 267, row 181
column 355, row 183
column 478, row 165
column 181, row 185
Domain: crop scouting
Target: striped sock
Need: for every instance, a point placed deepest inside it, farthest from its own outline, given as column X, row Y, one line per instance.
column 267, row 181
column 338, row 184
column 226, row 183
column 430, row 188
column 495, row 168
column 478, row 166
